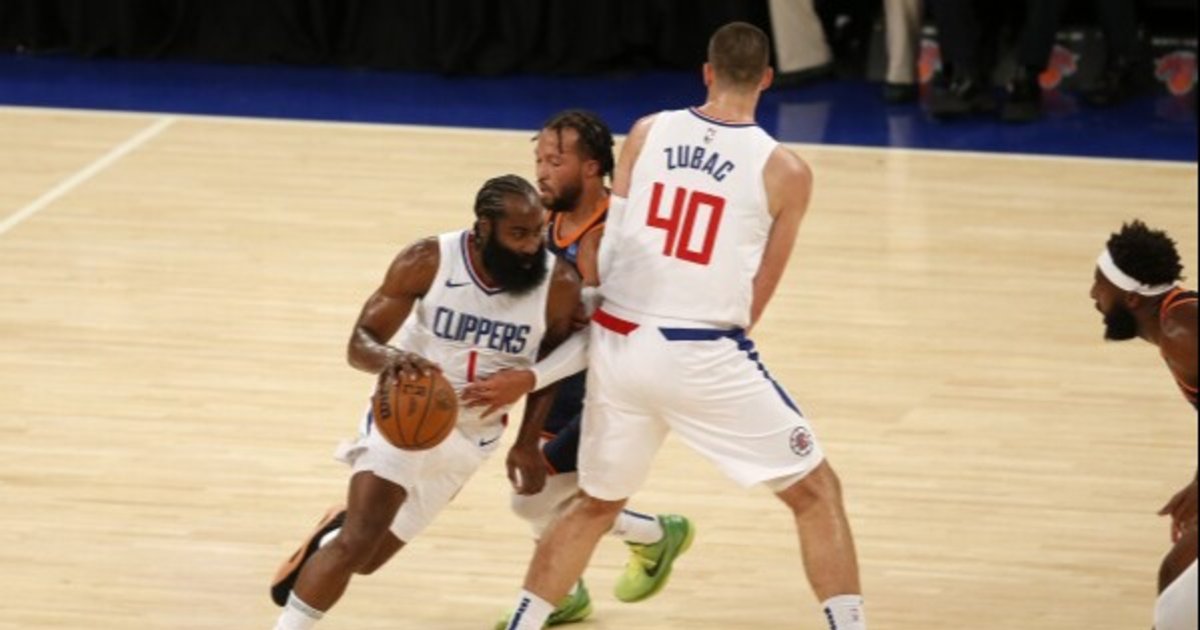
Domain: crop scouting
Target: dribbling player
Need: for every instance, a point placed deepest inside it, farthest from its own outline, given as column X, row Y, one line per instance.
column 468, row 303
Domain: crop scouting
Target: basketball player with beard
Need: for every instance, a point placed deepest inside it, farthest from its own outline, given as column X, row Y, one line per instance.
column 574, row 155
column 1136, row 290
column 468, row 303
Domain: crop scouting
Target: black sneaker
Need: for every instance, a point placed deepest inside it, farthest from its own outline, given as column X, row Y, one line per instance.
column 800, row 78
column 960, row 96
column 1023, row 98
column 285, row 577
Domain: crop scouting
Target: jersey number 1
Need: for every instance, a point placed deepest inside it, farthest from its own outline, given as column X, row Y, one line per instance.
column 685, row 211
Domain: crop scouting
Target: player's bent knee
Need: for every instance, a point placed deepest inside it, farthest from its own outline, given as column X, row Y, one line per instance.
column 819, row 487
column 593, row 508
column 383, row 552
column 532, row 509
column 348, row 551
column 357, row 543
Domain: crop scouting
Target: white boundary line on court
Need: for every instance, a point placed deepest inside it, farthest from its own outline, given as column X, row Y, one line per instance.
column 86, row 173
column 530, row 132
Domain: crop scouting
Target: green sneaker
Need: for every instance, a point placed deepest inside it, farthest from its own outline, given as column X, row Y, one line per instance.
column 649, row 566
column 573, row 608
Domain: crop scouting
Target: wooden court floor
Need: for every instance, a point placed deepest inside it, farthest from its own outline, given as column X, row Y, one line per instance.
column 176, row 293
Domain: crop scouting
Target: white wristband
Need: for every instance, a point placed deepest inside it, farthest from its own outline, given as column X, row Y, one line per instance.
column 569, row 358
column 589, row 297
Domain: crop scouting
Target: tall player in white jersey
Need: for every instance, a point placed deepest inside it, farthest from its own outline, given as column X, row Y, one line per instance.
column 686, row 265
column 468, row 303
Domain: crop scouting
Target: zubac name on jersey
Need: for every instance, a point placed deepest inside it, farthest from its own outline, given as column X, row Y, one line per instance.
column 698, row 158
column 480, row 331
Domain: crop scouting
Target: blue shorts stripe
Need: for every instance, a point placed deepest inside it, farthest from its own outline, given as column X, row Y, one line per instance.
column 744, row 344
column 701, row 334
column 747, row 346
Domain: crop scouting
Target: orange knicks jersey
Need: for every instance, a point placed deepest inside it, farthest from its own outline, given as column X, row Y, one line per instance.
column 1175, row 298
column 566, row 246
column 692, row 234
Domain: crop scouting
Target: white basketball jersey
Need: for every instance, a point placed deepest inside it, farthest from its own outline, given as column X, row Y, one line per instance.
column 692, row 234
column 470, row 329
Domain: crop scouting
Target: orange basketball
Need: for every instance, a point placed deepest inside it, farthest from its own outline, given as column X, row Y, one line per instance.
column 415, row 414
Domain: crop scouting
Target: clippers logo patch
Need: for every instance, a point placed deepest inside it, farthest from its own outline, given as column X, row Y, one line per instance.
column 801, row 442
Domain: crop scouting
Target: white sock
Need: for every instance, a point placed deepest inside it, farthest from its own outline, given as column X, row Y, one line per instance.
column 638, row 528
column 845, row 612
column 297, row 615
column 530, row 612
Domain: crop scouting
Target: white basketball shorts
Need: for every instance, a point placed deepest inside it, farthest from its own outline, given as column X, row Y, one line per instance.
column 647, row 375
column 431, row 477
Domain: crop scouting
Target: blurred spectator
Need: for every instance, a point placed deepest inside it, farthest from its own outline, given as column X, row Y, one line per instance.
column 813, row 37
column 968, row 50
column 964, row 86
column 902, row 20
column 1118, row 22
column 801, row 50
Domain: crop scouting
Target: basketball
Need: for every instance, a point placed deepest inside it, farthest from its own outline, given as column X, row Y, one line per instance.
column 415, row 414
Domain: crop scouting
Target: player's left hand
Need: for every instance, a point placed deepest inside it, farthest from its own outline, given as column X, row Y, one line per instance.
column 526, row 471
column 1182, row 510
column 498, row 390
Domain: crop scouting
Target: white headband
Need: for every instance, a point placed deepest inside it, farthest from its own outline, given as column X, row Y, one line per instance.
column 1124, row 281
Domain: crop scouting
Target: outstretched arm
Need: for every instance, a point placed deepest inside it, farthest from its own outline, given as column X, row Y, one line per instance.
column 506, row 387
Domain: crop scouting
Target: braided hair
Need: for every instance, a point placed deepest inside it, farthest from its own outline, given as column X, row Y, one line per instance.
column 595, row 138
column 489, row 201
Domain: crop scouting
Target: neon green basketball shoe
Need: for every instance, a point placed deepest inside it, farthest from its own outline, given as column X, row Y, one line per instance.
column 649, row 566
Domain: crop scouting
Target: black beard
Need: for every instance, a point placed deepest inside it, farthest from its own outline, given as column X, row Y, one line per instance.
column 514, row 272
column 1120, row 324
column 566, row 200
